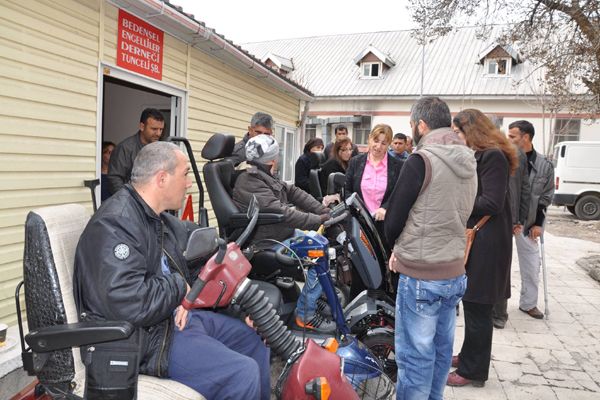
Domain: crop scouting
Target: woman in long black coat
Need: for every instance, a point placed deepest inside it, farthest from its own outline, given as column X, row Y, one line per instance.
column 488, row 266
column 306, row 162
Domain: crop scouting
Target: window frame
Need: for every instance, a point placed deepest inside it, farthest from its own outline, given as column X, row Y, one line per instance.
column 370, row 64
column 563, row 134
column 488, row 63
column 288, row 151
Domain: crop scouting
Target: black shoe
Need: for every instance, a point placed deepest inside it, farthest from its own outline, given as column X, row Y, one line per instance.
column 499, row 323
column 323, row 308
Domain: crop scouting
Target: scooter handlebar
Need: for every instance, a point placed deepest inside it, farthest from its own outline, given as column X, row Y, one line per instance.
column 195, row 291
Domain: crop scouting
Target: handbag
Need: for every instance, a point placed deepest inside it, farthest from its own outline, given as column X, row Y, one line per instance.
column 470, row 234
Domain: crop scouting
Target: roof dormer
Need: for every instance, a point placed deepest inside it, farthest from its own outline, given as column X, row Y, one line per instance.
column 373, row 62
column 282, row 64
column 498, row 60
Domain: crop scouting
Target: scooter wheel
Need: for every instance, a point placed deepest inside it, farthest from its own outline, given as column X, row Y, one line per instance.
column 381, row 345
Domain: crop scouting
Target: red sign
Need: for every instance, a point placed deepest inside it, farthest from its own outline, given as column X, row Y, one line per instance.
column 139, row 46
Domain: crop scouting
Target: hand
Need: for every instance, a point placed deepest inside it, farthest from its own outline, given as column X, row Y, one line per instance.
column 379, row 214
column 331, row 198
column 535, row 232
column 181, row 313
column 392, row 265
column 517, row 229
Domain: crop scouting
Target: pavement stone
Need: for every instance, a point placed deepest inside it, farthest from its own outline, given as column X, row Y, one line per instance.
column 551, row 359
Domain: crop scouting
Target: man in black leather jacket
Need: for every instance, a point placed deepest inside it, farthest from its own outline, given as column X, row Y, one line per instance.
column 129, row 265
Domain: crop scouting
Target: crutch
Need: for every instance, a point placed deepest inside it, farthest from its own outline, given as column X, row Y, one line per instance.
column 544, row 276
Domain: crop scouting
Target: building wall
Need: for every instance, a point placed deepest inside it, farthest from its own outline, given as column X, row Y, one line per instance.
column 49, row 58
column 396, row 113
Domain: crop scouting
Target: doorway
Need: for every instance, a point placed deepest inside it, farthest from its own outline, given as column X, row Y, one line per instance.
column 122, row 98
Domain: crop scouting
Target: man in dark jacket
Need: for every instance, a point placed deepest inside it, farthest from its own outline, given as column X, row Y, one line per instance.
column 152, row 124
column 129, row 265
column 260, row 124
column 541, row 179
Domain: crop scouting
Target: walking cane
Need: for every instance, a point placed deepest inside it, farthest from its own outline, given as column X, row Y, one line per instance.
column 544, row 276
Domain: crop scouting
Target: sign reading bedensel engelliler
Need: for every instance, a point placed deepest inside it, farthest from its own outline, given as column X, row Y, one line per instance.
column 139, row 46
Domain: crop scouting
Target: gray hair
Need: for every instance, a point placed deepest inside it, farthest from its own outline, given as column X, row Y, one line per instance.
column 433, row 111
column 154, row 157
column 262, row 119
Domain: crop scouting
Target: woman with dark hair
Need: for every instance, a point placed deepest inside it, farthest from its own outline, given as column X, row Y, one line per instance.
column 488, row 265
column 107, row 149
column 340, row 155
column 308, row 161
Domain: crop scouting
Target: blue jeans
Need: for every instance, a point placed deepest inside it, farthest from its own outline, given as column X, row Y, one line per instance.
column 307, row 302
column 425, row 321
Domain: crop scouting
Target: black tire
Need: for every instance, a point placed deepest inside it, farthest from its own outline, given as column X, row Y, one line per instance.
column 571, row 209
column 381, row 345
column 588, row 207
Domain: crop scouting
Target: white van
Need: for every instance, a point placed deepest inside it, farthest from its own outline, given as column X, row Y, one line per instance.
column 577, row 174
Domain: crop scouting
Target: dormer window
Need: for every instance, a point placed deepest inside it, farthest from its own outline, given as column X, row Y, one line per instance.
column 498, row 60
column 371, row 69
column 373, row 62
column 498, row 66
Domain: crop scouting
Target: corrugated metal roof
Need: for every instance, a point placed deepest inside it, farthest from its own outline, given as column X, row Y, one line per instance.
column 325, row 65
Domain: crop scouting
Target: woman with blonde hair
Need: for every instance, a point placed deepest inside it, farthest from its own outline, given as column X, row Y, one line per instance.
column 372, row 175
column 488, row 265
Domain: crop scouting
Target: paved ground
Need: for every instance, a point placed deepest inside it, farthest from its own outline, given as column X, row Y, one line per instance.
column 556, row 358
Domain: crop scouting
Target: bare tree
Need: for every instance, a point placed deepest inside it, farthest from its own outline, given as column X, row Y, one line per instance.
column 560, row 36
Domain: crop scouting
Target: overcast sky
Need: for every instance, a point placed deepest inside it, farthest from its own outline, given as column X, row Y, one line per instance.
column 262, row 20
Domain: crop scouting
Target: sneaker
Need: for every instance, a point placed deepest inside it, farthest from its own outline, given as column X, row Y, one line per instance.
column 317, row 324
column 499, row 323
column 323, row 308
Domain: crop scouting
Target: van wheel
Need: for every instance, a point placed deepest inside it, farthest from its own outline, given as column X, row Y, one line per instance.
column 588, row 207
column 571, row 209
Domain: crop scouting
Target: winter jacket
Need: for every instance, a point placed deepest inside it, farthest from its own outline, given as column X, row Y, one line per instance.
column 431, row 245
column 118, row 273
column 331, row 166
column 541, row 180
column 275, row 196
column 488, row 268
column 121, row 162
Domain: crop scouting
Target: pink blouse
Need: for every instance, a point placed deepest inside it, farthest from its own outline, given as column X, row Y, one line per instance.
column 374, row 183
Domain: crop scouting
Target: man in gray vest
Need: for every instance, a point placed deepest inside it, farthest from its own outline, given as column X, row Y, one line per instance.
column 428, row 213
column 541, row 180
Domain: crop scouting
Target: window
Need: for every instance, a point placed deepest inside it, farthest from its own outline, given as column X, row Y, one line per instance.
column 310, row 131
column 498, row 66
column 362, row 130
column 566, row 129
column 371, row 69
column 287, row 154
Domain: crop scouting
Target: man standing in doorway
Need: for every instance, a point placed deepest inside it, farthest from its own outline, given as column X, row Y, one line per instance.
column 541, row 181
column 152, row 124
column 260, row 124
column 340, row 132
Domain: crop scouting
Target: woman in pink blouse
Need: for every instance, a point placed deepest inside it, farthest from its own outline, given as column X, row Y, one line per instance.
column 372, row 175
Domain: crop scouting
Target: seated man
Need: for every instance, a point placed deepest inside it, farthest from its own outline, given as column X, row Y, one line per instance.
column 129, row 266
column 275, row 196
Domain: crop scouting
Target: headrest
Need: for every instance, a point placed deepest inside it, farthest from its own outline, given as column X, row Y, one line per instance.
column 218, row 146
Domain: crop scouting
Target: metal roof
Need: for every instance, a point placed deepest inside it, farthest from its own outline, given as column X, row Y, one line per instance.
column 325, row 65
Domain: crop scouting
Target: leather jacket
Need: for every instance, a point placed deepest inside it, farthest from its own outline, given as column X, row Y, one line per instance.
column 119, row 275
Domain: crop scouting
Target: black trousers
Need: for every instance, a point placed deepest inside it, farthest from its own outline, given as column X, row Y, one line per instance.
column 476, row 350
column 500, row 312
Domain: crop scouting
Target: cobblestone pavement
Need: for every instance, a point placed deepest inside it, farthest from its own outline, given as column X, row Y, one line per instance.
column 552, row 359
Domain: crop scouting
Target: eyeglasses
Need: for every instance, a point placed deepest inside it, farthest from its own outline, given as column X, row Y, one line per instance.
column 350, row 149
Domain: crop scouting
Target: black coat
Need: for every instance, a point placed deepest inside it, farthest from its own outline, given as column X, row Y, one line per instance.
column 488, row 268
column 356, row 168
column 331, row 166
column 118, row 273
column 302, row 172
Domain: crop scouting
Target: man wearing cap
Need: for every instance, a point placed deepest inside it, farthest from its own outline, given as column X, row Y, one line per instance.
column 275, row 196
column 260, row 124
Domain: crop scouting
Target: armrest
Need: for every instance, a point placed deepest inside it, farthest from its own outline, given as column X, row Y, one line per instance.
column 240, row 220
column 58, row 337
